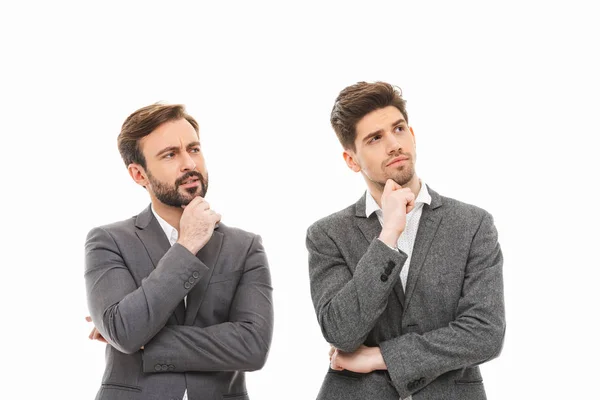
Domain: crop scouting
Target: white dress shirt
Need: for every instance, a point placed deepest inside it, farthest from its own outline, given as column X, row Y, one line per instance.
column 172, row 235
column 406, row 241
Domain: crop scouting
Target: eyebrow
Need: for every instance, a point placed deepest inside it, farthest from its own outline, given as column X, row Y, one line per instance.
column 380, row 131
column 176, row 148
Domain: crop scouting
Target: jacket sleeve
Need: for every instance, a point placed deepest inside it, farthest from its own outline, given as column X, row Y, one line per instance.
column 240, row 344
column 128, row 316
column 347, row 303
column 473, row 337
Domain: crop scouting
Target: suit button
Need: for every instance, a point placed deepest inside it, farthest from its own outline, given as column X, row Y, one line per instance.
column 196, row 275
column 383, row 278
column 421, row 381
column 157, row 367
column 187, row 285
column 171, row 367
column 164, row 367
column 391, row 264
column 388, row 270
column 191, row 280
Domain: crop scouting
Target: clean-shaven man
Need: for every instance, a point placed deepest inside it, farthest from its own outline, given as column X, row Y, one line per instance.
column 183, row 301
column 406, row 283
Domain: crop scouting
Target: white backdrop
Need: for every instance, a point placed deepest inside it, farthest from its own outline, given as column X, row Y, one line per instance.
column 503, row 98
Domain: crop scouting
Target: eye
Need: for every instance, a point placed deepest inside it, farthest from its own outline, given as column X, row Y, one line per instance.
column 195, row 150
column 170, row 155
column 374, row 138
column 399, row 128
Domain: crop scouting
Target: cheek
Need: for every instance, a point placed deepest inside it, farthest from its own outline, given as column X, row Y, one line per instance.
column 166, row 174
column 373, row 163
column 373, row 169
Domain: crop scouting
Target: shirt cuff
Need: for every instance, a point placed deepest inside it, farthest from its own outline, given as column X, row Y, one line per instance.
column 393, row 248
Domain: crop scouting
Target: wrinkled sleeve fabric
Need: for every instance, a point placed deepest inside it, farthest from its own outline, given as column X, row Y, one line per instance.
column 241, row 344
column 348, row 303
column 128, row 316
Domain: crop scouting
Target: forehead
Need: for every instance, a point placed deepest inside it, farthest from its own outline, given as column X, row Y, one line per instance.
column 173, row 133
column 380, row 119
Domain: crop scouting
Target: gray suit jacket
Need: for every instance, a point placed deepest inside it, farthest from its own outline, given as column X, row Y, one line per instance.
column 433, row 337
column 136, row 283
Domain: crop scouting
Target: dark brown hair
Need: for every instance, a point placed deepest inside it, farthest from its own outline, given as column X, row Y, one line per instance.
column 358, row 100
column 142, row 122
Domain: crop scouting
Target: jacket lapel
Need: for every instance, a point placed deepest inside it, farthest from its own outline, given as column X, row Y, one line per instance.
column 208, row 255
column 156, row 243
column 428, row 226
column 371, row 228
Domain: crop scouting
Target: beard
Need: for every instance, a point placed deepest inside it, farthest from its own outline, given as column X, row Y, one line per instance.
column 171, row 196
column 402, row 174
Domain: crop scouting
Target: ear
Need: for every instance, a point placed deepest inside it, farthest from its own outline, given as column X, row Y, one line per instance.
column 350, row 159
column 413, row 134
column 138, row 174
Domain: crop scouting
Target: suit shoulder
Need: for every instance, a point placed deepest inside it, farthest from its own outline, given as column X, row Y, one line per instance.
column 126, row 226
column 236, row 234
column 462, row 211
column 338, row 219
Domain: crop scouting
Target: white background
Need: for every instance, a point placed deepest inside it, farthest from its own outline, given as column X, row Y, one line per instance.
column 503, row 98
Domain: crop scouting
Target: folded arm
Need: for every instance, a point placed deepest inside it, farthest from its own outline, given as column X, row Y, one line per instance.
column 348, row 304
column 242, row 344
column 128, row 316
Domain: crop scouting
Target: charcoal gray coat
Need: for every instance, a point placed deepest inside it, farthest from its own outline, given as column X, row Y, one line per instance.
column 136, row 283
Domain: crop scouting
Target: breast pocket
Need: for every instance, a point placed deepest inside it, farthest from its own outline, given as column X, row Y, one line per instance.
column 226, row 276
column 220, row 292
column 449, row 290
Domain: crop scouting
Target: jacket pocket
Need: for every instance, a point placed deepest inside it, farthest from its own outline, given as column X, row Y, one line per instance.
column 227, row 276
column 120, row 386
column 469, row 382
column 236, row 396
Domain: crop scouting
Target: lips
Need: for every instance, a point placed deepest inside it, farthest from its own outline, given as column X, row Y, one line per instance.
column 190, row 183
column 397, row 160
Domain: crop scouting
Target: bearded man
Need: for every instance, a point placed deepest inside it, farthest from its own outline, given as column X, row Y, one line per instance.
column 183, row 301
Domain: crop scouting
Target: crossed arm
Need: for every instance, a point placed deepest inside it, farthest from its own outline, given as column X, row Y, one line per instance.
column 348, row 306
column 129, row 317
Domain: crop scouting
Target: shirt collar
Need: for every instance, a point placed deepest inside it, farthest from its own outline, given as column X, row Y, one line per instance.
column 170, row 232
column 423, row 197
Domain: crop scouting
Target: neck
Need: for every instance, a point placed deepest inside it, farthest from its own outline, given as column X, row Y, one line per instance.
column 376, row 189
column 170, row 214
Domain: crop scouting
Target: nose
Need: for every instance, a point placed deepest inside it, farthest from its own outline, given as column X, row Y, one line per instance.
column 392, row 145
column 187, row 163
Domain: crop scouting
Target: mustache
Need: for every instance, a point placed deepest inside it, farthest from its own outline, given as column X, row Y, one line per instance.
column 188, row 175
column 397, row 154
